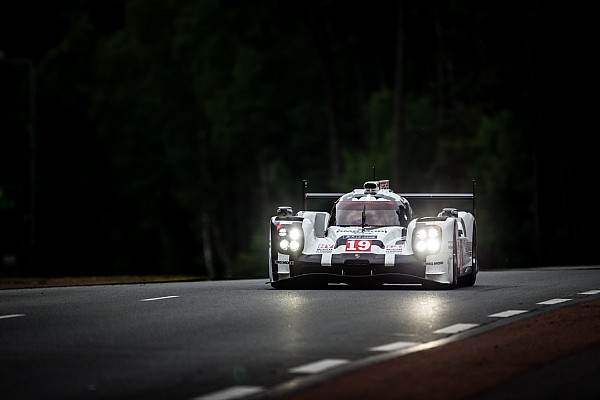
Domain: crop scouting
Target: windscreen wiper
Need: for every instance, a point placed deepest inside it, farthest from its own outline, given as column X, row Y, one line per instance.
column 364, row 217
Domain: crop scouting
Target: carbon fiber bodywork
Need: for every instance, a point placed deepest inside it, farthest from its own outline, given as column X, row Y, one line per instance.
column 368, row 270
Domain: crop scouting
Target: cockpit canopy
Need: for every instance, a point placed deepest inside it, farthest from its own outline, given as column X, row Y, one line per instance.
column 376, row 213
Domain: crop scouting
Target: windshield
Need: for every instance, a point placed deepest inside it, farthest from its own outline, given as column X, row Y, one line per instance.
column 377, row 213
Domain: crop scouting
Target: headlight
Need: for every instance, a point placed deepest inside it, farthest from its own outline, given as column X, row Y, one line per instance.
column 295, row 234
column 284, row 244
column 427, row 239
column 291, row 239
column 294, row 245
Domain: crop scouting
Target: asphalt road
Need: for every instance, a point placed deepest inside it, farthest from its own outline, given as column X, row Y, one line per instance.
column 225, row 339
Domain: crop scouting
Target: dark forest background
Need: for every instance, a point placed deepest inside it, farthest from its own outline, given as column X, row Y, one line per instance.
column 158, row 137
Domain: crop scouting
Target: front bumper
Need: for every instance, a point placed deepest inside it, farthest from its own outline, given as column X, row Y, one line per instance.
column 365, row 269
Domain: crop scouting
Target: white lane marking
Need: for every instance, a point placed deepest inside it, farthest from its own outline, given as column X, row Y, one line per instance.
column 553, row 301
column 393, row 346
column 456, row 328
column 160, row 298
column 318, row 366
column 508, row 313
column 234, row 392
column 11, row 316
column 591, row 292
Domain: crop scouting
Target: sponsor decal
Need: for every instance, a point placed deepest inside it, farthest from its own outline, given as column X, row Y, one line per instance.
column 325, row 248
column 284, row 262
column 346, row 237
column 394, row 248
column 435, row 263
column 358, row 229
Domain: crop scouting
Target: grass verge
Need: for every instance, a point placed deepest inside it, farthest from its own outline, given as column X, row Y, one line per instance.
column 34, row 282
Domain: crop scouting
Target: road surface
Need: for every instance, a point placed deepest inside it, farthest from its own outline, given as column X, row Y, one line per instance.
column 234, row 339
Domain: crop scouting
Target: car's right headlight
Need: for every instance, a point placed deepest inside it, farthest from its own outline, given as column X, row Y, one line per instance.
column 291, row 239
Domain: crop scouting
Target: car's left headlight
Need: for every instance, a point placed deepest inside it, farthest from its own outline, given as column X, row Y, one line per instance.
column 427, row 239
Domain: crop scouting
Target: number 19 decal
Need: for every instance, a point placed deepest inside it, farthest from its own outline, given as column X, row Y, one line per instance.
column 358, row 245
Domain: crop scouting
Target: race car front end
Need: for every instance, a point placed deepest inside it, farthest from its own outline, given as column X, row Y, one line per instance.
column 346, row 255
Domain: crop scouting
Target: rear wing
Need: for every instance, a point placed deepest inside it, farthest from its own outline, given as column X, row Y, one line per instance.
column 409, row 196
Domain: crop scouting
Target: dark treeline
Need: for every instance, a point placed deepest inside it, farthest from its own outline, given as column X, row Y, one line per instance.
column 159, row 136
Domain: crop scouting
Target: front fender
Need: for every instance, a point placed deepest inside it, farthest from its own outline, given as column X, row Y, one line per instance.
column 439, row 266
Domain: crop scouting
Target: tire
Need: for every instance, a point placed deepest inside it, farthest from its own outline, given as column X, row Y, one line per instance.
column 469, row 280
column 454, row 283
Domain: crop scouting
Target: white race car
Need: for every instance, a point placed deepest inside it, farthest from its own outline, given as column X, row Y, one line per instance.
column 370, row 238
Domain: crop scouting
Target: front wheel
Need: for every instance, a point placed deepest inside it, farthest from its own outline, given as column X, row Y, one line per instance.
column 469, row 280
column 454, row 282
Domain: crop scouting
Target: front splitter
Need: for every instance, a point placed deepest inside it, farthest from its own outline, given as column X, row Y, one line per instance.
column 322, row 279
